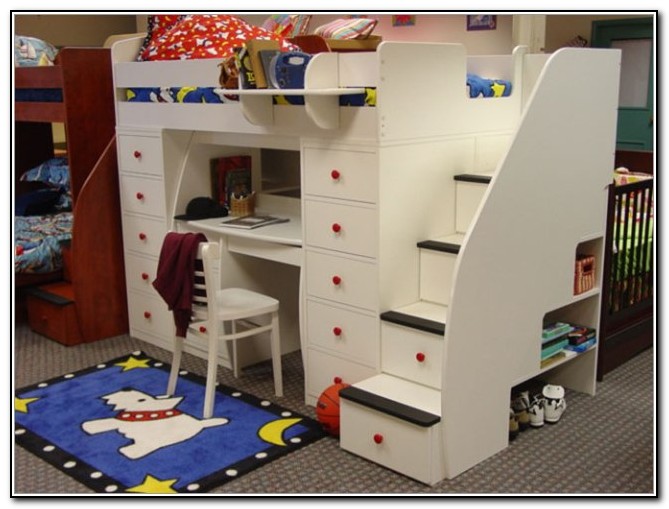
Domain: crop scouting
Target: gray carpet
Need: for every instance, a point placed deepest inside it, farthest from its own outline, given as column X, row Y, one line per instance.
column 602, row 445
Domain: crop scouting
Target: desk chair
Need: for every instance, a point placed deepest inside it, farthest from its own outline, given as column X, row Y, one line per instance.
column 234, row 309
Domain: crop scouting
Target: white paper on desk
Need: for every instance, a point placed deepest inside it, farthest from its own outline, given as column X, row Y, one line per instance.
column 250, row 222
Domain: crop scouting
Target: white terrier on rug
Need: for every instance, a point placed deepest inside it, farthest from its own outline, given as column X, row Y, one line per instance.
column 152, row 423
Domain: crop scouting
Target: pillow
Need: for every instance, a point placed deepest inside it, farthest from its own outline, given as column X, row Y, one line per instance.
column 157, row 25
column 206, row 36
column 354, row 28
column 54, row 172
column 31, row 52
column 287, row 25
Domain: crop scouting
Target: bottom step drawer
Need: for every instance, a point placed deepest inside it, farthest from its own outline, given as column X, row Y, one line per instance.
column 394, row 443
column 54, row 321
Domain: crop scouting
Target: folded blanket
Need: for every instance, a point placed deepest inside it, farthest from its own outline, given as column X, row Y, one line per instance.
column 484, row 87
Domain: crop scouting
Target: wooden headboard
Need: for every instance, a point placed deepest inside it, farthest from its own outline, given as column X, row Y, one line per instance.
column 636, row 160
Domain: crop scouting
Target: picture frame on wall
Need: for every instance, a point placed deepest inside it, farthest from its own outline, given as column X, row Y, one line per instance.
column 481, row 22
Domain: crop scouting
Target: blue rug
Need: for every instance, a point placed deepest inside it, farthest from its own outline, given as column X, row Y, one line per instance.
column 111, row 428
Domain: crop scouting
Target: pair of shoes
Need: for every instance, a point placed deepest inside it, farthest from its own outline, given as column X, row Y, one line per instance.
column 554, row 403
column 513, row 425
column 520, row 406
column 536, row 411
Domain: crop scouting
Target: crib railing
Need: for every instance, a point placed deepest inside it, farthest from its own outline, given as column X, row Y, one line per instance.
column 628, row 283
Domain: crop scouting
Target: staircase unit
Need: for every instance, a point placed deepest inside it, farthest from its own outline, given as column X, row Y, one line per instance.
column 450, row 359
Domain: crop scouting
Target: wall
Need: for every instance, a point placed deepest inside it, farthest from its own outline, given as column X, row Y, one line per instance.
column 74, row 29
column 561, row 28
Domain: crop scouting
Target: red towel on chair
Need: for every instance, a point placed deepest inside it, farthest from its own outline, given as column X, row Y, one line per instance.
column 175, row 278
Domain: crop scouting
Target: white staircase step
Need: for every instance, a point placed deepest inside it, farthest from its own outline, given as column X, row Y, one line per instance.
column 469, row 191
column 421, row 315
column 397, row 396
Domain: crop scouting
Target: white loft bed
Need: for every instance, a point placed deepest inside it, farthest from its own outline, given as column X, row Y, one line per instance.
column 549, row 148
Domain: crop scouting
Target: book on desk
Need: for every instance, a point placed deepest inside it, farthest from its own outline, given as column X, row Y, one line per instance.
column 253, row 221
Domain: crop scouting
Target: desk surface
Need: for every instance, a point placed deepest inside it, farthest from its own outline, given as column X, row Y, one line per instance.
column 289, row 233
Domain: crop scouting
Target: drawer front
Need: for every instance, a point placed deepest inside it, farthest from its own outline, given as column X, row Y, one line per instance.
column 342, row 228
column 53, row 321
column 143, row 235
column 324, row 368
column 140, row 273
column 342, row 280
column 348, row 175
column 351, row 334
column 403, row 447
column 150, row 315
column 411, row 354
column 140, row 154
column 142, row 195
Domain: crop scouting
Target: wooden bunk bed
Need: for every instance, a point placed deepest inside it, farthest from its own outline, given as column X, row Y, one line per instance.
column 512, row 258
column 86, row 299
column 627, row 326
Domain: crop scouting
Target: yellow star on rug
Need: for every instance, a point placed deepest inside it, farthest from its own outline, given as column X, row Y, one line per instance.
column 21, row 404
column 153, row 485
column 133, row 363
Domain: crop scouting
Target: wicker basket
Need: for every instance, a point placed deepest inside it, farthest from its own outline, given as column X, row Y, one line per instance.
column 584, row 274
column 242, row 206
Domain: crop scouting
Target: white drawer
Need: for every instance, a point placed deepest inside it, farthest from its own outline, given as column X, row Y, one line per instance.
column 349, row 175
column 351, row 334
column 140, row 273
column 342, row 228
column 411, row 354
column 142, row 195
column 140, row 154
column 403, row 447
column 143, row 234
column 342, row 280
column 324, row 368
column 150, row 315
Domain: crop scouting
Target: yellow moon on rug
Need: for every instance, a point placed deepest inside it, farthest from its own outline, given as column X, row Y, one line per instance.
column 272, row 432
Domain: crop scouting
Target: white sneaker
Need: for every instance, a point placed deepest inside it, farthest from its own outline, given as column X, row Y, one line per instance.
column 536, row 412
column 554, row 403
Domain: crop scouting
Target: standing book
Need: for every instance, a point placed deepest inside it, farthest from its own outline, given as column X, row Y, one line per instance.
column 254, row 47
column 230, row 174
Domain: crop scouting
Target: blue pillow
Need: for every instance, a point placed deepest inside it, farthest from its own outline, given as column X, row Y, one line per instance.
column 54, row 172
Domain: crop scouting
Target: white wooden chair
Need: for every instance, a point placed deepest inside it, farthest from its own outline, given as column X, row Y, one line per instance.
column 235, row 309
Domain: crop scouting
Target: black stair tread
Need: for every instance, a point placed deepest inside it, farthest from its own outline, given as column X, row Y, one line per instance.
column 53, row 298
column 414, row 322
column 436, row 245
column 471, row 177
column 390, row 407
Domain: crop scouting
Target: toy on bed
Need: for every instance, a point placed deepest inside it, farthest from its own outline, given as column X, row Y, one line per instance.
column 485, row 87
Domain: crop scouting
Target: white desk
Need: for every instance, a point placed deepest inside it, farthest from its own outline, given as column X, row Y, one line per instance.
column 280, row 243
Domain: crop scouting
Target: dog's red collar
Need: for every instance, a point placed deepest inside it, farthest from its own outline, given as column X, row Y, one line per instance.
column 151, row 415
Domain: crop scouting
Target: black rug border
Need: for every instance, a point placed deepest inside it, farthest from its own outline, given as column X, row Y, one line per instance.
column 58, row 457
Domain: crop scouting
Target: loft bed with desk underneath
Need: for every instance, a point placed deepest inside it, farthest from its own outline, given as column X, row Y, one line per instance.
column 68, row 261
column 433, row 238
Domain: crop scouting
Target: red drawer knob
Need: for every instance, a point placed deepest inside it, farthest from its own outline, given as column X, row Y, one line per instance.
column 140, row 196
column 335, row 174
column 337, row 379
column 336, row 280
column 336, row 331
column 147, row 314
column 378, row 438
column 145, row 276
column 137, row 154
column 420, row 356
column 142, row 236
column 336, row 227
column 203, row 329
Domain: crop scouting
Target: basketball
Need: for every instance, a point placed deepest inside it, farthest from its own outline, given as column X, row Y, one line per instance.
column 327, row 408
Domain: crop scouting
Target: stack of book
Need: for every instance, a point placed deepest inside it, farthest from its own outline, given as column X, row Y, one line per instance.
column 581, row 338
column 554, row 337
